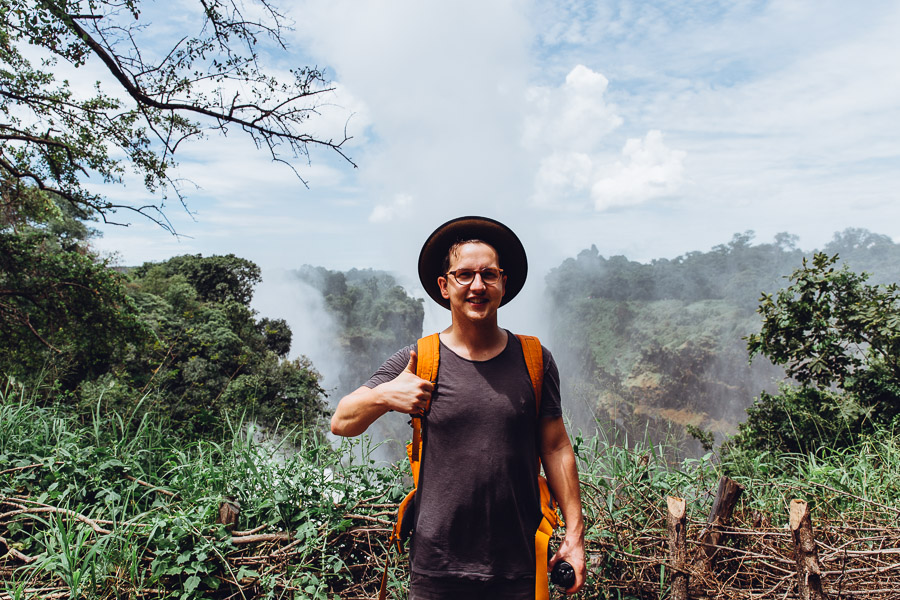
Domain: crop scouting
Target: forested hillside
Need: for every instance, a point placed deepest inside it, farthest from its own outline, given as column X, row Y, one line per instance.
column 176, row 337
column 375, row 317
column 661, row 345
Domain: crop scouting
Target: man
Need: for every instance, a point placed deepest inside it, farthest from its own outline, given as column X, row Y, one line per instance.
column 478, row 503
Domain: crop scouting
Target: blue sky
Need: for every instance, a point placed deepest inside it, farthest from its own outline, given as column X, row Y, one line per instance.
column 649, row 129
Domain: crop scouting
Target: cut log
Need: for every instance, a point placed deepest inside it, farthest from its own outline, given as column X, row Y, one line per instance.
column 712, row 536
column 229, row 510
column 676, row 525
column 806, row 554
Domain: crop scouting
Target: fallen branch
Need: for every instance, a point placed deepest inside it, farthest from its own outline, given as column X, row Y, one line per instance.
column 63, row 511
column 262, row 537
column 6, row 548
column 155, row 488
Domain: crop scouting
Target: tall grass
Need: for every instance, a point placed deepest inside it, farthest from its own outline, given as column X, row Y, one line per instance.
column 115, row 507
column 624, row 491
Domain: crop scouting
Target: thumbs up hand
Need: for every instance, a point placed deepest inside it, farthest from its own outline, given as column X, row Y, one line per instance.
column 413, row 363
column 407, row 393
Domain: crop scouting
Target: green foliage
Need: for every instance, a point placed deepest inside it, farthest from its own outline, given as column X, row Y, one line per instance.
column 838, row 337
column 735, row 271
column 624, row 487
column 845, row 480
column 121, row 506
column 210, row 355
column 63, row 312
column 53, row 135
column 631, row 365
column 218, row 279
column 660, row 344
column 181, row 330
column 829, row 326
column 798, row 419
column 865, row 251
column 277, row 334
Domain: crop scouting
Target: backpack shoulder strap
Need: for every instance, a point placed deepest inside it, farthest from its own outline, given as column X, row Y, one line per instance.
column 534, row 360
column 427, row 360
column 428, row 351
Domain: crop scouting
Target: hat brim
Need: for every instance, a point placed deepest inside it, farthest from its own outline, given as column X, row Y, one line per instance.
column 512, row 253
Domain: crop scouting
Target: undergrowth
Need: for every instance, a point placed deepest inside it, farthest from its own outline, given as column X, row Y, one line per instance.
column 115, row 507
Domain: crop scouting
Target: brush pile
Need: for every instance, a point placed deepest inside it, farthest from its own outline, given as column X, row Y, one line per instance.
column 858, row 554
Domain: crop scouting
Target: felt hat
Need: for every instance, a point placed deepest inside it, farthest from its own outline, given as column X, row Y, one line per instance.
column 512, row 254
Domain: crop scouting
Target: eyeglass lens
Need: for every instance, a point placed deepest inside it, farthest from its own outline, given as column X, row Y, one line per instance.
column 467, row 276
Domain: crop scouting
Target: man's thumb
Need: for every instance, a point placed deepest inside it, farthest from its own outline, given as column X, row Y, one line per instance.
column 413, row 359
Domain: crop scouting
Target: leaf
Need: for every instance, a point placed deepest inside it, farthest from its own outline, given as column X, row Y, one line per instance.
column 191, row 583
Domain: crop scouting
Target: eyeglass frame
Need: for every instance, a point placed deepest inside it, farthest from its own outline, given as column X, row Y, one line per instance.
column 479, row 272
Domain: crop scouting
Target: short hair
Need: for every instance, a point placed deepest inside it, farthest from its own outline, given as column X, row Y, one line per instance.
column 454, row 249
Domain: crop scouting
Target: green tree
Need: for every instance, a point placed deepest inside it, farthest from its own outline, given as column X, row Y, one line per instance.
column 215, row 278
column 53, row 136
column 64, row 314
column 830, row 327
column 211, row 355
column 838, row 337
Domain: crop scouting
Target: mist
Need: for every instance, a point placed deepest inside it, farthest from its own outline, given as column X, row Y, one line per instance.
column 644, row 349
column 281, row 295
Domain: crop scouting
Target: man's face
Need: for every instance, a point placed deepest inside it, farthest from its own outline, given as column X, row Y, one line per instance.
column 476, row 301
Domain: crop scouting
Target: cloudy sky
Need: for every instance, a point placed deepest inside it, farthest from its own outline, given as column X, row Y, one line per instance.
column 647, row 128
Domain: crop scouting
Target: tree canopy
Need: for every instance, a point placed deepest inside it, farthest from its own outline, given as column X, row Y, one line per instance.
column 55, row 135
column 838, row 337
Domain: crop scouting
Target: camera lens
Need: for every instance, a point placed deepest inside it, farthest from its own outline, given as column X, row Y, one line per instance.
column 563, row 575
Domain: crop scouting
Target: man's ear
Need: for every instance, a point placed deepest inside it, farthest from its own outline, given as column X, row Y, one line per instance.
column 442, row 283
column 503, row 279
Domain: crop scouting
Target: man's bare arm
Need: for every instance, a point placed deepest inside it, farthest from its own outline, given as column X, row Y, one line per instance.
column 562, row 475
column 407, row 393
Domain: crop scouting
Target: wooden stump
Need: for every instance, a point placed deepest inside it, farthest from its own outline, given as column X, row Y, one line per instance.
column 806, row 554
column 676, row 526
column 229, row 510
column 728, row 494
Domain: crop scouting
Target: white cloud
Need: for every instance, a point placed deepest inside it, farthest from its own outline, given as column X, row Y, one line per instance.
column 573, row 117
column 648, row 169
column 576, row 124
column 781, row 116
column 651, row 170
column 560, row 176
column 398, row 207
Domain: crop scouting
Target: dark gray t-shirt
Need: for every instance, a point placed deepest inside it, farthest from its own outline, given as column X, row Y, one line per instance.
column 478, row 500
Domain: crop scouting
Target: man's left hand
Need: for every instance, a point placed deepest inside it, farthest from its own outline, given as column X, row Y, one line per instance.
column 571, row 551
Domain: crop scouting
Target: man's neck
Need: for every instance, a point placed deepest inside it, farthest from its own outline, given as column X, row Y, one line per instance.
column 475, row 341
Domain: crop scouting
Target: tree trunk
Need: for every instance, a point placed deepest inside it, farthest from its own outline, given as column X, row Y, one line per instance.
column 676, row 526
column 723, row 506
column 809, row 576
column 229, row 510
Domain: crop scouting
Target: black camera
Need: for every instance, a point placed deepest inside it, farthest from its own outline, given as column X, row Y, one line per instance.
column 562, row 575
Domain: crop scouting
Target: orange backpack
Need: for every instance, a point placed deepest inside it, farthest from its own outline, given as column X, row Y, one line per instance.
column 428, row 353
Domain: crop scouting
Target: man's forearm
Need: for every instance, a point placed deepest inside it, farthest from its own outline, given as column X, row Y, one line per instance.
column 356, row 411
column 562, row 475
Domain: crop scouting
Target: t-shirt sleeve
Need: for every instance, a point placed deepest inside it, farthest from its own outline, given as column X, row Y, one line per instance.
column 391, row 367
column 551, row 403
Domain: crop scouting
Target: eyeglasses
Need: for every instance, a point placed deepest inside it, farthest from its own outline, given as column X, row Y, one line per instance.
column 489, row 276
